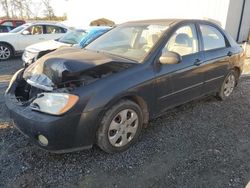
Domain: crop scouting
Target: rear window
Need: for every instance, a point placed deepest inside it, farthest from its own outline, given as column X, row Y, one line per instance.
column 18, row 23
column 8, row 23
column 50, row 29
column 212, row 37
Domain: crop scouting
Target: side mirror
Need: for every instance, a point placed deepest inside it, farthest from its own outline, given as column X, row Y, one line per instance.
column 26, row 32
column 170, row 58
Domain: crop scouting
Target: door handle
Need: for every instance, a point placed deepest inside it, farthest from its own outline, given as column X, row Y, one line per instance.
column 229, row 53
column 197, row 62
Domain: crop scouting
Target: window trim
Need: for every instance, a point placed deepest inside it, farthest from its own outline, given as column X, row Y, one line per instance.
column 227, row 44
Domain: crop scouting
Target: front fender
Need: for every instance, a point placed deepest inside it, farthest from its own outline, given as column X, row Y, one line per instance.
column 110, row 90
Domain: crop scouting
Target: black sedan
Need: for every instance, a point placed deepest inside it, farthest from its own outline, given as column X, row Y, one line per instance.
column 106, row 93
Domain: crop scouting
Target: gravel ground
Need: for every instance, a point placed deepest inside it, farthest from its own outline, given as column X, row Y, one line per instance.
column 205, row 143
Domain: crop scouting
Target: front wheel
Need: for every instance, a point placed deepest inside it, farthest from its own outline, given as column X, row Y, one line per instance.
column 5, row 52
column 120, row 127
column 228, row 85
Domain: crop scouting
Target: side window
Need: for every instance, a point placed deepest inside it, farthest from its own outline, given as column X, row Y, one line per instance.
column 18, row 23
column 36, row 30
column 3, row 29
column 50, row 29
column 184, row 41
column 8, row 23
column 212, row 37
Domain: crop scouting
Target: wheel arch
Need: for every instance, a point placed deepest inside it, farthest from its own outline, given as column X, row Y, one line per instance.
column 237, row 70
column 134, row 98
column 6, row 43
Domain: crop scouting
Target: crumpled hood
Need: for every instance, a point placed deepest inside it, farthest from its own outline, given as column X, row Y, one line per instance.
column 69, row 63
column 46, row 45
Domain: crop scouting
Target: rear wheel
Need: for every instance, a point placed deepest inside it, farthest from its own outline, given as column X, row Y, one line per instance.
column 6, row 52
column 120, row 127
column 228, row 85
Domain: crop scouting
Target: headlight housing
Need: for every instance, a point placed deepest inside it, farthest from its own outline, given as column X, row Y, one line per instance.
column 54, row 103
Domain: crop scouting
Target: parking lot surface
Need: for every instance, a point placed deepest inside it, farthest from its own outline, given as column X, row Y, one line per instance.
column 205, row 143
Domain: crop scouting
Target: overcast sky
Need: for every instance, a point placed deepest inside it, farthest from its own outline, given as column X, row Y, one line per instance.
column 60, row 6
column 81, row 12
column 126, row 10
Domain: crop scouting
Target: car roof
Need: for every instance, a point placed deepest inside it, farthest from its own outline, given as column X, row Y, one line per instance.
column 11, row 20
column 45, row 23
column 156, row 21
column 166, row 22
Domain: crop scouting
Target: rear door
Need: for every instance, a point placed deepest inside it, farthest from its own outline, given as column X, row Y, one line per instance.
column 181, row 82
column 217, row 54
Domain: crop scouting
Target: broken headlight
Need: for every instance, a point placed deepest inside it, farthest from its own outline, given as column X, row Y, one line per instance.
column 54, row 103
column 29, row 57
column 35, row 77
column 41, row 81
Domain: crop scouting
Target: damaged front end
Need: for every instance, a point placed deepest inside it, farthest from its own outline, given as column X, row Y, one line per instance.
column 46, row 100
column 46, row 85
column 37, row 96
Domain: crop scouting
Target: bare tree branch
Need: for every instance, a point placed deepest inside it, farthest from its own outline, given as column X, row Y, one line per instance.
column 5, row 6
column 28, row 9
column 49, row 11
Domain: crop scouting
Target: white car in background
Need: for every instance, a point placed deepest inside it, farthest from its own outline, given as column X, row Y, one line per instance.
column 18, row 39
column 78, row 38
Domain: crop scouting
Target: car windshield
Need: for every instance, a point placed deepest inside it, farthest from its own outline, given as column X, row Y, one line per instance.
column 131, row 42
column 73, row 37
column 18, row 29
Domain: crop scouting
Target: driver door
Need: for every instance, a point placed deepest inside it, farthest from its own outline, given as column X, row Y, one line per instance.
column 34, row 35
column 182, row 82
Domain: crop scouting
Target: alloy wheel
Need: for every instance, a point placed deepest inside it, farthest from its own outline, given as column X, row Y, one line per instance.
column 123, row 128
column 4, row 53
column 229, row 85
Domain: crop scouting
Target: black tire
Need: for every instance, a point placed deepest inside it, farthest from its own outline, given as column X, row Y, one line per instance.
column 223, row 95
column 103, row 133
column 6, row 52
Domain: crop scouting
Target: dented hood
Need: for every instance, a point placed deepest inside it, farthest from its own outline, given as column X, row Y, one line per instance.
column 69, row 63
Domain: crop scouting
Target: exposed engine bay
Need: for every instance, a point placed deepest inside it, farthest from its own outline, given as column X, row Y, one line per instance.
column 30, row 84
column 65, row 69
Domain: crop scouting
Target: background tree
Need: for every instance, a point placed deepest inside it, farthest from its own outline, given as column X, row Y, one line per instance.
column 5, row 7
column 17, row 8
column 49, row 11
column 29, row 10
